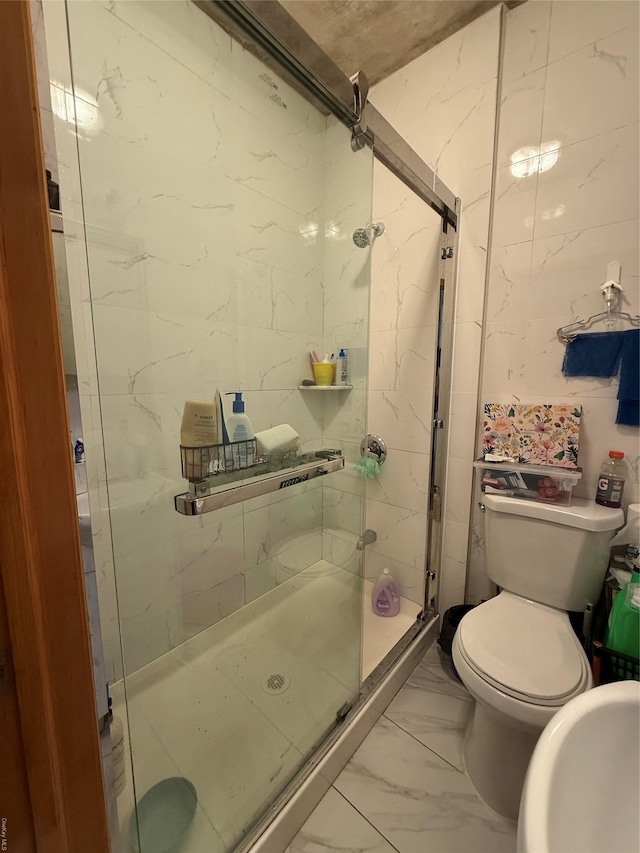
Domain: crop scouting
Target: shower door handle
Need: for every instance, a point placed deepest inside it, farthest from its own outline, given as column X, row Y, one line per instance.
column 436, row 504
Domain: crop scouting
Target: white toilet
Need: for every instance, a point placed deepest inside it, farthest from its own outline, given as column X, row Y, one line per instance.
column 517, row 653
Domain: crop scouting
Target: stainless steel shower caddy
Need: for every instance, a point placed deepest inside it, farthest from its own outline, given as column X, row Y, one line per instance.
column 219, row 474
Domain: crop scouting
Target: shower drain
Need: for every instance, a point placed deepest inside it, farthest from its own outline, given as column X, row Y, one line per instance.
column 276, row 683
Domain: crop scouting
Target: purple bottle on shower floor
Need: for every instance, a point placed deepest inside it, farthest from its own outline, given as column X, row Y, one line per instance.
column 385, row 598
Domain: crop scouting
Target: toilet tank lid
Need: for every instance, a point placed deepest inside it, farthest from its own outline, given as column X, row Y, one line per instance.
column 584, row 514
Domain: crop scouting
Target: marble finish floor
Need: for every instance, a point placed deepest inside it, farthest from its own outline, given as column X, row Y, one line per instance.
column 405, row 788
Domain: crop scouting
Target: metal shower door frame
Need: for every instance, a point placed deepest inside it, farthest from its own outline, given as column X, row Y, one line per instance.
column 265, row 28
column 440, row 425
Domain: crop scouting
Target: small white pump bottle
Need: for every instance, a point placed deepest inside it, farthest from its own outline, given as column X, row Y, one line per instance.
column 240, row 429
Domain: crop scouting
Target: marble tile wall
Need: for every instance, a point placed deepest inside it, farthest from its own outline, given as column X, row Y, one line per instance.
column 571, row 79
column 211, row 223
column 206, row 271
column 444, row 105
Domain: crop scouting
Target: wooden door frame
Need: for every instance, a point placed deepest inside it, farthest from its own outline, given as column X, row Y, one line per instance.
column 51, row 690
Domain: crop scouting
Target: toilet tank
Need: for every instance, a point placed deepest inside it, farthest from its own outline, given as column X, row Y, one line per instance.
column 556, row 555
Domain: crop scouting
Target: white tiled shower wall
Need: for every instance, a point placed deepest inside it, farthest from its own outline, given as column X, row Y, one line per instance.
column 443, row 104
column 206, row 266
column 571, row 77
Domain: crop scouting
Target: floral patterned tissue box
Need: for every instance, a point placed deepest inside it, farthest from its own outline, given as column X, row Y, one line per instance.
column 542, row 435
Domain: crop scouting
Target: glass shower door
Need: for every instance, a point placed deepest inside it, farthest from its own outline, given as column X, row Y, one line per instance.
column 219, row 207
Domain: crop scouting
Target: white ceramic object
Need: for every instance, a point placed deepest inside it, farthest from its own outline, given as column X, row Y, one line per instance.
column 493, row 662
column 517, row 653
column 582, row 788
column 556, row 555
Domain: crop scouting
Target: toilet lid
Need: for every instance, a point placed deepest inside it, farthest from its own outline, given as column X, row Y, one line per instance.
column 527, row 649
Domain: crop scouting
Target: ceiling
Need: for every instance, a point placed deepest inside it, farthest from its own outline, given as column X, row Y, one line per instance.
column 381, row 36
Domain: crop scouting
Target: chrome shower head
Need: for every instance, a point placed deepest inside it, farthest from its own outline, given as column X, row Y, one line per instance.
column 362, row 237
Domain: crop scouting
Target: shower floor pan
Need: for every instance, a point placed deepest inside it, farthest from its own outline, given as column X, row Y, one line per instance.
column 237, row 708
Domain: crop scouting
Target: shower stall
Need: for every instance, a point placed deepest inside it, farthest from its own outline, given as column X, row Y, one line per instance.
column 223, row 219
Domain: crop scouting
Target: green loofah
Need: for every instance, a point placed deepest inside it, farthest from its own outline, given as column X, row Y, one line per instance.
column 367, row 467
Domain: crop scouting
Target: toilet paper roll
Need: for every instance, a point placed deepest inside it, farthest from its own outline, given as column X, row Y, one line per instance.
column 278, row 439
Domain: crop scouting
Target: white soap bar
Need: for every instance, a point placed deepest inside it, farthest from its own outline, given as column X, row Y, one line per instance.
column 278, row 439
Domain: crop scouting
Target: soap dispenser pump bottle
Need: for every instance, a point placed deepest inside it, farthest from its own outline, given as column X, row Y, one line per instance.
column 385, row 598
column 240, row 430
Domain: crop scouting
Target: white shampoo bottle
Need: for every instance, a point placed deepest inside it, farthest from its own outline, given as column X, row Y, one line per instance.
column 240, row 430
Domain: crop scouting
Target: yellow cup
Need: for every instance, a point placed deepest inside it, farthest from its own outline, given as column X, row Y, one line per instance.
column 324, row 372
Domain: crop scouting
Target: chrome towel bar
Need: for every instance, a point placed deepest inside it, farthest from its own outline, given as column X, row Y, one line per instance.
column 190, row 503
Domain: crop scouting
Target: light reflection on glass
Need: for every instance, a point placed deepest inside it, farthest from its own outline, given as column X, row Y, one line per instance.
column 80, row 111
column 532, row 159
column 309, row 230
column 554, row 212
column 332, row 231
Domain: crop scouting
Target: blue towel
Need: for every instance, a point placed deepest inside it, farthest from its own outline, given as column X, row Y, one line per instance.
column 630, row 366
column 628, row 413
column 600, row 354
column 629, row 390
column 594, row 354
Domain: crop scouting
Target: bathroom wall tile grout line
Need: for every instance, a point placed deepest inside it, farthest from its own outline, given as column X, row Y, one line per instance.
column 588, row 44
column 576, row 231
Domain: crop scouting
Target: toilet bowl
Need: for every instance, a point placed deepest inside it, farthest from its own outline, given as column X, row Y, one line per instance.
column 521, row 661
column 517, row 653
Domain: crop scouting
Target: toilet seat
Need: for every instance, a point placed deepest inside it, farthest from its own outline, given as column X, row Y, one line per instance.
column 524, row 649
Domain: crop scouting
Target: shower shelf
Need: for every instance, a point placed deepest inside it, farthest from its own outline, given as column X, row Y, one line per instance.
column 220, row 490
column 325, row 387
